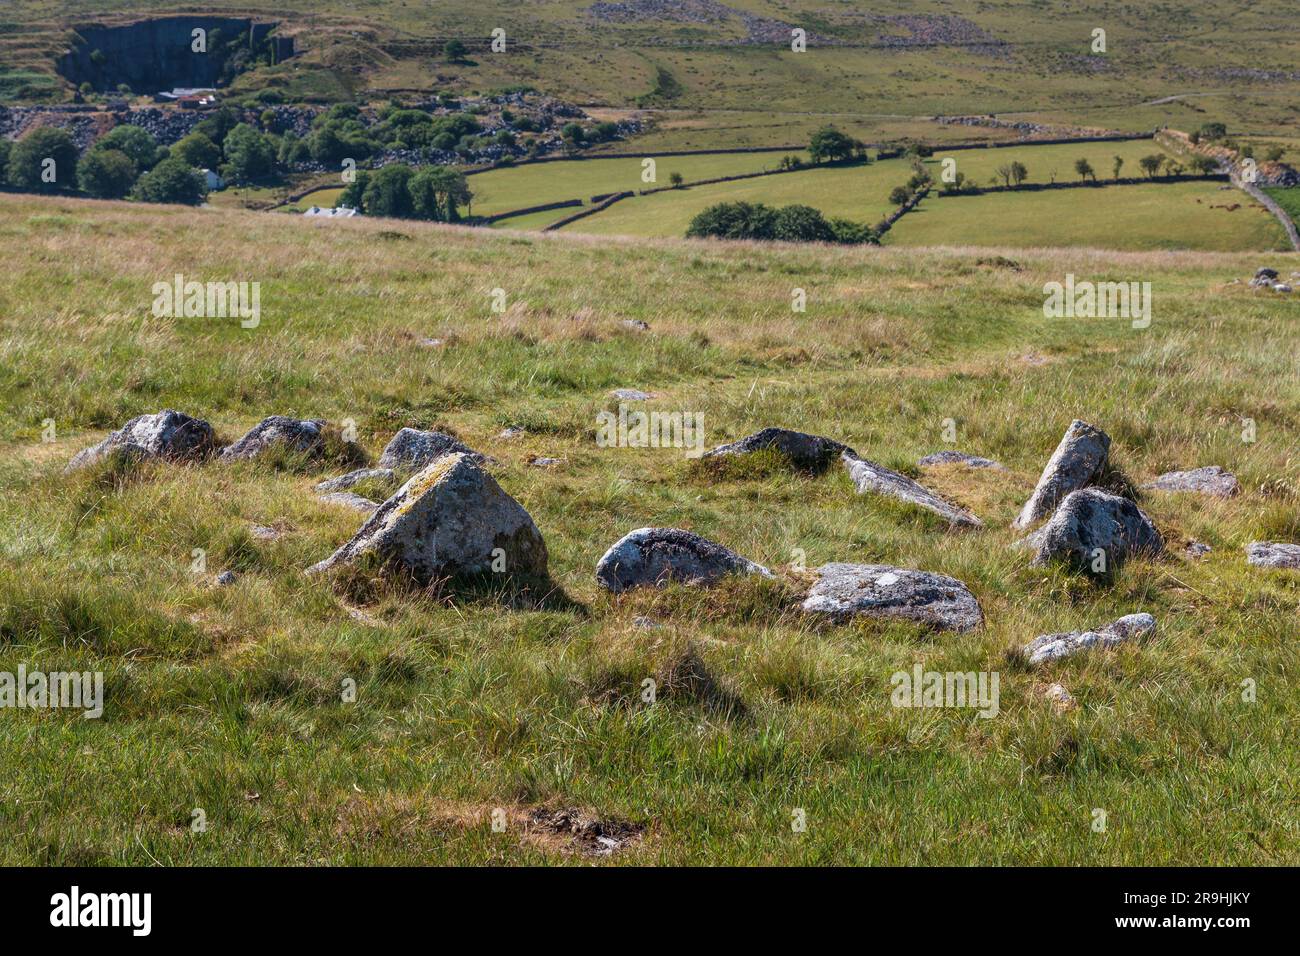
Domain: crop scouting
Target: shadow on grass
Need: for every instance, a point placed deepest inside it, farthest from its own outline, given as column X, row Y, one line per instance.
column 371, row 579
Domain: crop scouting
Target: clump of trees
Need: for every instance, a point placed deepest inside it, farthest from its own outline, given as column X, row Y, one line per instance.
column 43, row 161
column 829, row 144
column 794, row 223
column 125, row 163
column 435, row 193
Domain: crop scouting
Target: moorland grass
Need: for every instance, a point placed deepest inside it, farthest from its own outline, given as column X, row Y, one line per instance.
column 229, row 699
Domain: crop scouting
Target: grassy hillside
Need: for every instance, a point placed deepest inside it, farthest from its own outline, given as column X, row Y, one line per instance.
column 228, row 699
column 882, row 66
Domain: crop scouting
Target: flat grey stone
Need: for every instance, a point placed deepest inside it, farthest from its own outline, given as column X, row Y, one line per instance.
column 353, row 478
column 349, row 500
column 806, row 452
column 871, row 478
column 449, row 519
column 1051, row 647
column 1210, row 480
column 265, row 532
column 226, row 578
column 636, row 325
column 1274, row 554
column 630, row 395
column 302, row 436
column 1197, row 549
column 1090, row 519
column 1077, row 461
column 845, row 591
column 513, row 432
column 411, row 449
column 168, row 434
column 652, row 557
column 958, row 458
column 546, row 462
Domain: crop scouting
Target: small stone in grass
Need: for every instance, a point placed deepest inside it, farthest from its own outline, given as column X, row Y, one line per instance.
column 1051, row 647
column 1274, row 554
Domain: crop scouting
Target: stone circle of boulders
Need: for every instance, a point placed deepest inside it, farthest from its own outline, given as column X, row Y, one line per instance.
column 295, row 435
column 448, row 520
column 870, row 478
column 1210, row 480
column 806, row 452
column 1274, row 554
column 1078, row 460
column 411, row 449
column 653, row 557
column 846, row 591
column 1089, row 520
column 169, row 434
column 959, row 458
column 1050, row 647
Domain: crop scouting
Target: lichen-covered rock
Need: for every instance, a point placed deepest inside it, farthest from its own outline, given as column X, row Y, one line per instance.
column 871, row 478
column 652, row 557
column 349, row 500
column 1210, row 480
column 411, row 448
column 959, row 458
column 845, row 591
column 1092, row 519
column 450, row 519
column 630, row 395
column 295, row 435
column 1050, row 647
column 806, row 452
column 1274, row 554
column 353, row 478
column 1077, row 461
column 169, row 434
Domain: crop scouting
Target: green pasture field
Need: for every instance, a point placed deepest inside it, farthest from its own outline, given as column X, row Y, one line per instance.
column 854, row 192
column 1193, row 215
column 533, row 184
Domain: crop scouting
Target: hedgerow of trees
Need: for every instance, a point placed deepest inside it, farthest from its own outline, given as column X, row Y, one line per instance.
column 795, row 223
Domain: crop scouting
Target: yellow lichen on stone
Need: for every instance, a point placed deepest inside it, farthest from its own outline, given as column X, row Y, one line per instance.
column 425, row 480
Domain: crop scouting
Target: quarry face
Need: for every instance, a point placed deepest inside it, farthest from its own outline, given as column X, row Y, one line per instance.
column 170, row 52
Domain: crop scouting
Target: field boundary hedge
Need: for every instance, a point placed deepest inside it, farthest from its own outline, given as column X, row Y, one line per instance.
column 561, row 204
column 590, row 211
column 1095, row 184
column 888, row 222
